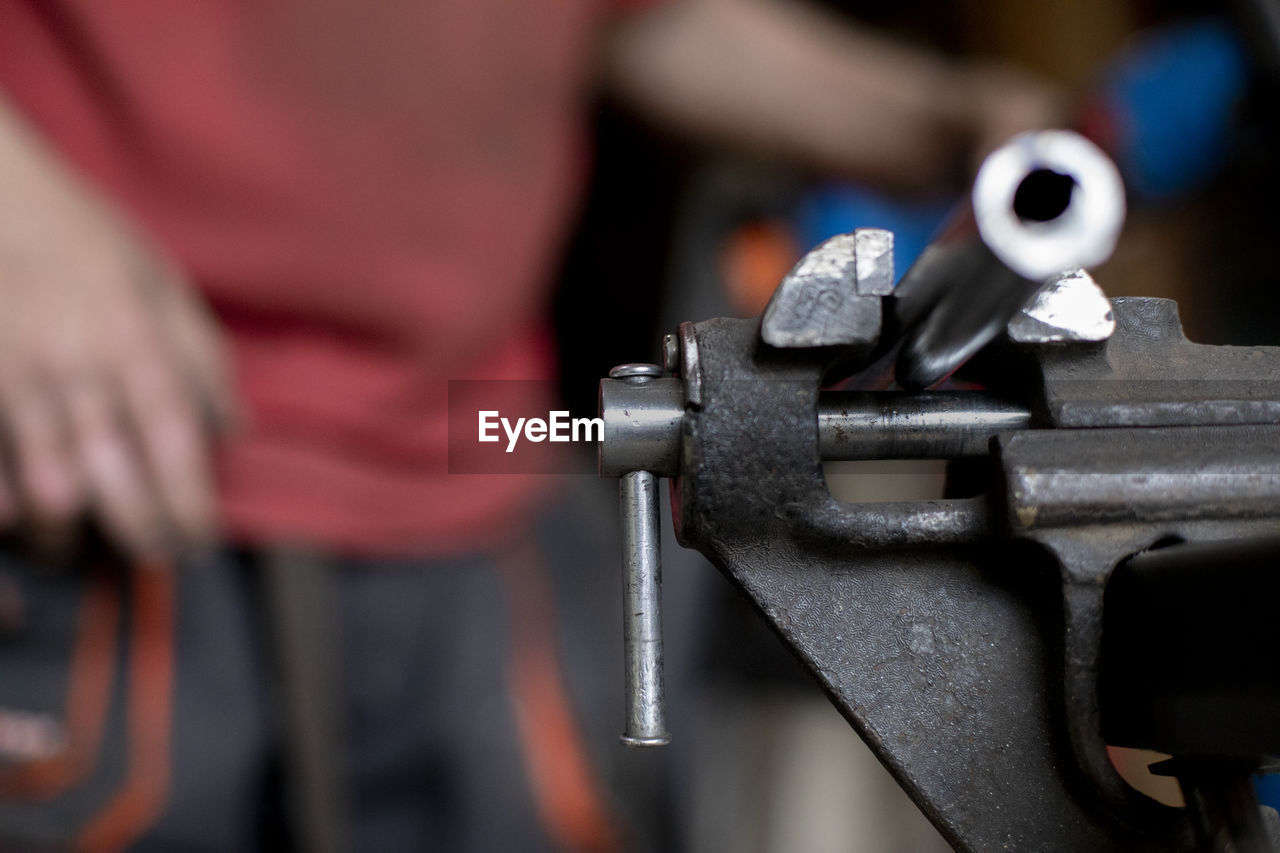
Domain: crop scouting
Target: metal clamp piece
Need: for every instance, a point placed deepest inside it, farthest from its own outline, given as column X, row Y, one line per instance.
column 646, row 723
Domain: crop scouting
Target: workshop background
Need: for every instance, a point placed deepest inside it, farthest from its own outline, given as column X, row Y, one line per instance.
column 1182, row 91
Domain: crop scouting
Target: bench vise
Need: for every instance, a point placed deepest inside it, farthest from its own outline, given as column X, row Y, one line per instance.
column 1104, row 568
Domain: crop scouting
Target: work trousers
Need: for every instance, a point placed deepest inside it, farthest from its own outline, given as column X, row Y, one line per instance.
column 477, row 702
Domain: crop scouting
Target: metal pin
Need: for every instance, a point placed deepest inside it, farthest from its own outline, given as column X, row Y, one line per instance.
column 646, row 723
column 642, row 614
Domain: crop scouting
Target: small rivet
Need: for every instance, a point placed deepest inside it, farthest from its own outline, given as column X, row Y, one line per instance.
column 636, row 374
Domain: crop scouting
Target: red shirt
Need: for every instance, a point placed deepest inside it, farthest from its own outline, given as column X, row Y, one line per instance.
column 369, row 193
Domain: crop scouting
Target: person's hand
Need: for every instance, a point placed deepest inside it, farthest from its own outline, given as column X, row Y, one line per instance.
column 786, row 80
column 111, row 370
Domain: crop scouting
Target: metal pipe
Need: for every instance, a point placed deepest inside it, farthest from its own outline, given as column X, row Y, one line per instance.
column 1043, row 203
column 646, row 723
column 902, row 425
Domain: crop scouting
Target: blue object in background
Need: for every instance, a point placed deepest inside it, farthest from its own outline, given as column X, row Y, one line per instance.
column 1171, row 99
column 1268, row 788
column 838, row 208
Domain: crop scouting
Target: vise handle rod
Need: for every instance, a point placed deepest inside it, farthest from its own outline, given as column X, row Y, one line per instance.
column 642, row 425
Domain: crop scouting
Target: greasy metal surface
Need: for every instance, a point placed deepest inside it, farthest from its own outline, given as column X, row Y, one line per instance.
column 944, row 660
column 902, row 425
column 1148, row 374
column 1057, row 478
column 832, row 296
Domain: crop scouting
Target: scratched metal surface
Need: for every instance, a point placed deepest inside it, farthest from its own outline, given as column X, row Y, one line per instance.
column 945, row 662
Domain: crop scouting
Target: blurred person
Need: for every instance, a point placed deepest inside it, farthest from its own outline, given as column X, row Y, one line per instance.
column 243, row 248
